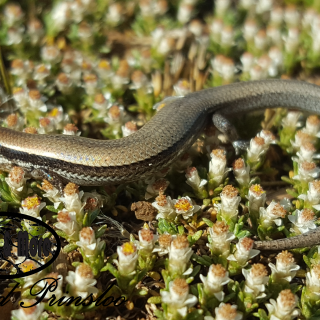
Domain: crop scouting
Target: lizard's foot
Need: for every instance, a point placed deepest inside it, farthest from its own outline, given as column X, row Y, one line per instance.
column 225, row 126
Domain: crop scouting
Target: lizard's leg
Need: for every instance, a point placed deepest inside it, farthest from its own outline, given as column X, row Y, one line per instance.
column 229, row 130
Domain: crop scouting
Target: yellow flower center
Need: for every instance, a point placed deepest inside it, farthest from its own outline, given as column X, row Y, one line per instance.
column 54, row 112
column 31, row 202
column 128, row 248
column 185, row 84
column 183, row 204
column 257, row 189
column 27, row 266
column 104, row 64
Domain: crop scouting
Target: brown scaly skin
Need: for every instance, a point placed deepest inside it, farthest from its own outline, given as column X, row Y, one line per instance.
column 165, row 137
column 308, row 239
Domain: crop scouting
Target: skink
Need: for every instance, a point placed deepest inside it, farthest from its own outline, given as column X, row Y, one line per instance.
column 166, row 136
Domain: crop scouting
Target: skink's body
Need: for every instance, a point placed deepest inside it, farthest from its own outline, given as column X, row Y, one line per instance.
column 169, row 133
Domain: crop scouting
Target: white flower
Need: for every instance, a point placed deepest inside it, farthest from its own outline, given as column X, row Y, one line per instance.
column 221, row 7
column 52, row 193
column 146, row 241
column 247, row 60
column 35, row 31
column 32, row 206
column 115, row 14
column 313, row 280
column 119, row 81
column 267, row 136
column 82, row 282
column 285, row 267
column 46, row 125
column 30, row 313
column 50, row 54
column 227, row 67
column 16, row 180
column 15, row 36
column 72, row 198
column 127, row 258
column 67, row 222
column 217, row 277
column 20, row 97
column 217, row 166
column 226, row 311
column 257, row 148
column 14, row 122
column 41, row 72
column 261, row 42
column 60, row 15
column 220, row 238
column 164, row 241
column 78, row 10
column 13, row 14
column 102, row 104
column 64, row 83
column 179, row 255
column 58, row 117
column 241, row 172
column 178, row 298
column 276, row 16
column 185, row 207
column 303, row 221
column 216, row 63
column 300, row 139
column 313, row 194
column 307, row 171
column 313, row 126
column 256, row 279
column 309, row 17
column 291, row 40
column 193, row 179
column 129, row 128
column 229, row 202
column 28, row 265
column 244, row 252
column 88, row 242
column 182, row 87
column 272, row 214
column 35, row 101
column 58, row 291
column 139, row 81
column 90, row 84
column 250, row 29
column 105, row 72
column 285, row 306
column 257, row 197
column 165, row 207
column 246, row 4
column 291, row 120
column 306, row 152
column 184, row 13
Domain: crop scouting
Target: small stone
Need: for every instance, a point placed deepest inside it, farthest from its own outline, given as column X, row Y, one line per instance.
column 144, row 210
